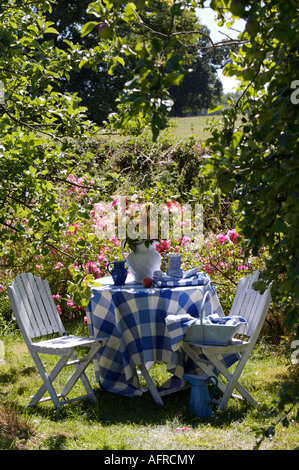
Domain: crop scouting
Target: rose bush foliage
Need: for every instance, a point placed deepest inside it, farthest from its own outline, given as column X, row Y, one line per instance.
column 83, row 257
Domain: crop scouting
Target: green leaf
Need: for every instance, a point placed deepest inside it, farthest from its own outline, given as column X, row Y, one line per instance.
column 173, row 79
column 232, row 69
column 130, row 12
column 283, row 32
column 51, row 30
column 177, row 9
column 237, row 136
column 213, row 109
column 120, row 60
column 270, row 432
column 32, row 170
column 90, row 237
column 88, row 27
column 156, row 45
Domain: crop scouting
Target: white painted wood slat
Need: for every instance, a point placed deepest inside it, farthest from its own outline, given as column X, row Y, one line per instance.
column 50, row 315
column 15, row 297
column 37, row 304
column 52, row 308
column 20, row 290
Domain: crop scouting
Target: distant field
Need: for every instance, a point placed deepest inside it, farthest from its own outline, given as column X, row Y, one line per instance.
column 185, row 126
column 190, row 125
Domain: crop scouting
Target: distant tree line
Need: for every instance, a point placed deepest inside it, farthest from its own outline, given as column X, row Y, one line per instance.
column 99, row 90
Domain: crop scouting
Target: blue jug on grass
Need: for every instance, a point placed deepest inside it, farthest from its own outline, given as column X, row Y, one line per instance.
column 200, row 401
column 118, row 273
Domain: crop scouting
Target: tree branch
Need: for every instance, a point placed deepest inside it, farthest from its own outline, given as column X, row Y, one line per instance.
column 24, row 124
column 45, row 244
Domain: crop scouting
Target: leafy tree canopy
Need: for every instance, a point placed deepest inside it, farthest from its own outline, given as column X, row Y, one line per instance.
column 39, row 128
column 99, row 89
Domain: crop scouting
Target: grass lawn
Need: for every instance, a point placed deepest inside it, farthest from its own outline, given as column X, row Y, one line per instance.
column 121, row 423
column 184, row 127
column 196, row 125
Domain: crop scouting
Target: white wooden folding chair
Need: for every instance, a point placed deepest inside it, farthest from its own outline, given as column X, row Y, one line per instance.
column 253, row 307
column 37, row 316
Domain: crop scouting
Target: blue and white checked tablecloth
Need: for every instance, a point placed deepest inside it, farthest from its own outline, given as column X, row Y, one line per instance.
column 133, row 317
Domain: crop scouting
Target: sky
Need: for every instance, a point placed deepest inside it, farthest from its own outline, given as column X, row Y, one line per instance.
column 207, row 18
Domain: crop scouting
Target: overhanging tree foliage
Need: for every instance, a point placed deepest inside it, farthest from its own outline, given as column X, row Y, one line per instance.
column 160, row 53
column 257, row 162
column 39, row 128
column 99, row 89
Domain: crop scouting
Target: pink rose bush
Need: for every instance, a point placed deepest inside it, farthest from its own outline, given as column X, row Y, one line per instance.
column 222, row 257
column 79, row 186
column 83, row 255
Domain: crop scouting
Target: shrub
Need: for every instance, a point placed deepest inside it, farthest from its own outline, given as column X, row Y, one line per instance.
column 169, row 168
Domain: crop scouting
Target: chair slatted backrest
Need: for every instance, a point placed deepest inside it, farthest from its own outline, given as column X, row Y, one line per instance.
column 251, row 305
column 34, row 307
column 239, row 297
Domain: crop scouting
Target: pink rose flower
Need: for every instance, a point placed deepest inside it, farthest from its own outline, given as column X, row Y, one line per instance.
column 243, row 268
column 222, row 238
column 59, row 309
column 233, row 235
column 58, row 265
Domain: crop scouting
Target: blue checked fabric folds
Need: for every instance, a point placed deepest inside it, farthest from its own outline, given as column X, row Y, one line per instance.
column 133, row 317
column 197, row 280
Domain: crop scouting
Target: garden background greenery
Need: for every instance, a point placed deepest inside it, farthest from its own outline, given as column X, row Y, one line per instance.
column 56, row 164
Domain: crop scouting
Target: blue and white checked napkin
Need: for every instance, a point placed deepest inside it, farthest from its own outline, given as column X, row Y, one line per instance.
column 199, row 279
column 178, row 325
column 232, row 320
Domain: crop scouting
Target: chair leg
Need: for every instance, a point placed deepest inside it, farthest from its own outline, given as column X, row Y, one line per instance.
column 150, row 384
column 228, row 389
column 233, row 383
column 48, row 379
column 39, row 394
column 80, row 373
column 80, row 366
column 206, row 367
